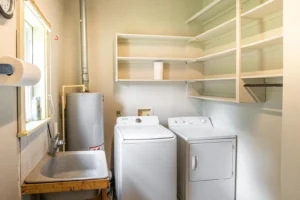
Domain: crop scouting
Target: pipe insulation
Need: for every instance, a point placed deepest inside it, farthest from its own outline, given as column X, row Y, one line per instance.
column 84, row 49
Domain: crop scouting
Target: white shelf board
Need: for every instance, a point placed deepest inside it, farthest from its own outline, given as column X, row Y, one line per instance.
column 152, row 37
column 263, row 43
column 260, row 11
column 210, row 10
column 218, row 30
column 248, row 47
column 154, row 59
column 225, row 99
column 263, row 74
column 149, row 80
column 215, row 78
column 216, row 55
column 264, row 9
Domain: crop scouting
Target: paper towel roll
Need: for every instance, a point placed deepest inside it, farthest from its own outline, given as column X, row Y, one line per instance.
column 158, row 70
column 25, row 74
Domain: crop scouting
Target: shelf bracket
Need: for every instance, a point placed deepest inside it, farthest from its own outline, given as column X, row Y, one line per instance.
column 264, row 85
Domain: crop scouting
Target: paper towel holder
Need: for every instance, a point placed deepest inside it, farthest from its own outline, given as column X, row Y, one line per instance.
column 6, row 69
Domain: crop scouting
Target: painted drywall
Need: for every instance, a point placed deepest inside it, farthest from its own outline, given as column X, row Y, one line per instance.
column 290, row 176
column 257, row 125
column 105, row 19
column 9, row 188
column 259, row 144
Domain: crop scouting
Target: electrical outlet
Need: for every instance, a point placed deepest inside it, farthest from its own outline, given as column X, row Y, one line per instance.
column 145, row 112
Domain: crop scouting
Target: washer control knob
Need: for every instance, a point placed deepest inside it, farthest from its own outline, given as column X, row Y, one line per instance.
column 203, row 121
column 182, row 121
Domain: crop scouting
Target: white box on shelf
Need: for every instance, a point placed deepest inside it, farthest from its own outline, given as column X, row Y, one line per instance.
column 158, row 70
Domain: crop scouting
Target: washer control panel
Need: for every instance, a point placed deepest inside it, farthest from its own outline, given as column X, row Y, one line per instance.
column 137, row 120
column 190, row 121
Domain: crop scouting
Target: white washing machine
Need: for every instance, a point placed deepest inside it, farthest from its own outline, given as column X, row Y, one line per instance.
column 206, row 160
column 145, row 160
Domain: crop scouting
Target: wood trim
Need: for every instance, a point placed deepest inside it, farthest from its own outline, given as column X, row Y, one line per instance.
column 42, row 123
column 103, row 195
column 65, row 186
column 39, row 11
column 20, row 55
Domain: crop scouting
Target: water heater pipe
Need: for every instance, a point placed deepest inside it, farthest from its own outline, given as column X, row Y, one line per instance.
column 84, row 50
column 63, row 107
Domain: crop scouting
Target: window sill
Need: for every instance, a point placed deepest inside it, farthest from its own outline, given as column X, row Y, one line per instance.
column 33, row 126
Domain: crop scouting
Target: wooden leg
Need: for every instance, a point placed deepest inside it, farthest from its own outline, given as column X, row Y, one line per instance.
column 104, row 196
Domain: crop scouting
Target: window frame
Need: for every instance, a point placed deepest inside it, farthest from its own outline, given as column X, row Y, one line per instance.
column 23, row 128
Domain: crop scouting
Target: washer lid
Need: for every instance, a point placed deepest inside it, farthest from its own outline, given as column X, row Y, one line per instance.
column 202, row 133
column 145, row 132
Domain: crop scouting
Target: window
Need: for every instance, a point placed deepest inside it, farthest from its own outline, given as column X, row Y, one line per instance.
column 28, row 45
column 35, row 51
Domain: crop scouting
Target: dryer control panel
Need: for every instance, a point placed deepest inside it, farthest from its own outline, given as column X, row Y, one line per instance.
column 190, row 121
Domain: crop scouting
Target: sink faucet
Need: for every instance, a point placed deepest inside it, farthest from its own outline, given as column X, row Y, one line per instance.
column 55, row 144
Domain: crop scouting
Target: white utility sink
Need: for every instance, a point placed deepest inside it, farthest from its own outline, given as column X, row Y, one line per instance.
column 70, row 166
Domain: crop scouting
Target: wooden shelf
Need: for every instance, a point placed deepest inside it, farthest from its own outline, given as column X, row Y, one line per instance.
column 122, row 36
column 255, row 45
column 264, row 9
column 263, row 43
column 211, row 10
column 216, row 55
column 230, row 89
column 225, row 99
column 218, row 30
column 149, row 80
column 278, row 73
column 154, row 59
column 258, row 12
column 222, row 77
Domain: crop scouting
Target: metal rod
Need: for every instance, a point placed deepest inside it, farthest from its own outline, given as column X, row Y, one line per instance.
column 84, row 49
column 6, row 69
column 264, row 85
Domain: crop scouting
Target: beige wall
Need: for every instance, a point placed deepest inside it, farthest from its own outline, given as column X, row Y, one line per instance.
column 290, row 176
column 9, row 155
column 258, row 125
column 105, row 19
column 258, row 128
column 259, row 144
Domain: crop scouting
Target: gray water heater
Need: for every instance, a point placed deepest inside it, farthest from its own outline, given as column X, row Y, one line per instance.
column 84, row 122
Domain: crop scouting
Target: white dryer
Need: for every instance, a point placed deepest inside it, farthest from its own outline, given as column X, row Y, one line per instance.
column 145, row 159
column 206, row 160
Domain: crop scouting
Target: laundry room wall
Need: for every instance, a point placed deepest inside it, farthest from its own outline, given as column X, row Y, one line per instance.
column 290, row 176
column 9, row 147
column 105, row 19
column 259, row 144
column 258, row 125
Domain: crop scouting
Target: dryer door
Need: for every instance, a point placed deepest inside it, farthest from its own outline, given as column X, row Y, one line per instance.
column 211, row 161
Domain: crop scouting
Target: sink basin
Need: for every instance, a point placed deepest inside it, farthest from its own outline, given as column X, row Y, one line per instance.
column 70, row 166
